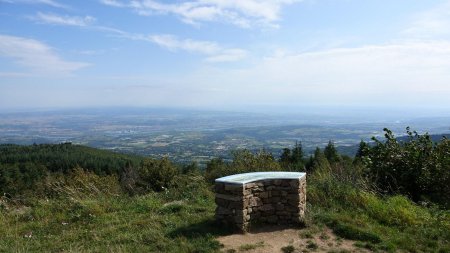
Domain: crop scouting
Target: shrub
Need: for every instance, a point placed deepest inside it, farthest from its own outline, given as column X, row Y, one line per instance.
column 243, row 161
column 80, row 184
column 288, row 249
column 189, row 187
column 19, row 178
column 156, row 174
column 417, row 167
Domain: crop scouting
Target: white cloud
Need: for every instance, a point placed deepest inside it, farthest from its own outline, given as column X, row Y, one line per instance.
column 214, row 52
column 228, row 55
column 412, row 73
column 173, row 43
column 63, row 20
column 45, row 2
column 36, row 56
column 432, row 23
column 112, row 3
column 238, row 12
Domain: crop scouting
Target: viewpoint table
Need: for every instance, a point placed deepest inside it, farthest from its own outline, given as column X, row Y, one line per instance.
column 261, row 197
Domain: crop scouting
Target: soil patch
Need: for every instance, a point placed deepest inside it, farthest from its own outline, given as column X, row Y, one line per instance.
column 274, row 238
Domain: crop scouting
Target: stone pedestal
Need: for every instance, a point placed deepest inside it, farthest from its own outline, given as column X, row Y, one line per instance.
column 272, row 201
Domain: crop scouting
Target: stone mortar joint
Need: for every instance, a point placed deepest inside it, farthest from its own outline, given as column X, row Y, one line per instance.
column 260, row 197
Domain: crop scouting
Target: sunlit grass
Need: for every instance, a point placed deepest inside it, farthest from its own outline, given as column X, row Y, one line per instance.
column 182, row 219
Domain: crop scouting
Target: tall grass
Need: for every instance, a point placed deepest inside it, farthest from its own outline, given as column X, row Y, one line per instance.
column 87, row 213
column 350, row 205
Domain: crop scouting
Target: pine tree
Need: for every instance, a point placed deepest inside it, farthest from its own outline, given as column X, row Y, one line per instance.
column 331, row 153
column 362, row 149
column 297, row 157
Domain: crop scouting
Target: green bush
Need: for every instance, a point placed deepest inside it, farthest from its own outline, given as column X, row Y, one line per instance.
column 243, row 161
column 288, row 249
column 156, row 174
column 20, row 178
column 80, row 184
column 417, row 167
column 189, row 187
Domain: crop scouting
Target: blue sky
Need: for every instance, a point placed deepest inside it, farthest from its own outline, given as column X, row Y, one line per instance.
column 225, row 54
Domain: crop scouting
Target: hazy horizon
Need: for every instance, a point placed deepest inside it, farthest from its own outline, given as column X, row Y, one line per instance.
column 321, row 113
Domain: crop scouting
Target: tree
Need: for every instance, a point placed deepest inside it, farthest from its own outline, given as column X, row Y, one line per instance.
column 416, row 167
column 246, row 161
column 293, row 160
column 320, row 161
column 191, row 168
column 309, row 163
column 331, row 153
column 157, row 174
column 297, row 157
column 243, row 161
column 19, row 178
column 285, row 158
column 215, row 168
column 363, row 149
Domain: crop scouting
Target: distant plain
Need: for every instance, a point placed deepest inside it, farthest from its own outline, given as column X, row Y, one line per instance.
column 199, row 135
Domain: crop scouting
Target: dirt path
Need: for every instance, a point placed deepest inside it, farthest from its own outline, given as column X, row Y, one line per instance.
column 273, row 239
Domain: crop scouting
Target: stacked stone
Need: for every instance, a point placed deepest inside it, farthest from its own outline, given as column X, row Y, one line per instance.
column 230, row 205
column 275, row 201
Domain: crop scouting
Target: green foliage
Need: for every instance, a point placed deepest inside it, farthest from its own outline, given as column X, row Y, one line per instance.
column 156, row 174
column 189, row 187
column 331, row 153
column 393, row 211
column 173, row 207
column 312, row 245
column 82, row 210
column 353, row 232
column 80, row 183
column 246, row 161
column 417, row 167
column 293, row 160
column 288, row 249
column 94, row 220
column 191, row 168
column 243, row 161
column 285, row 158
column 64, row 157
column 24, row 169
column 21, row 177
column 247, row 247
column 342, row 198
column 319, row 162
column 216, row 168
column 363, row 149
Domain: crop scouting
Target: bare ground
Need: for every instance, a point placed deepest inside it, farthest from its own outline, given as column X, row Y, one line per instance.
column 273, row 239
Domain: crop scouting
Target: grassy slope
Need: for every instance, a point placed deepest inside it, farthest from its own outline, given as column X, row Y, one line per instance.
column 89, row 213
column 101, row 219
column 119, row 224
column 96, row 217
column 388, row 223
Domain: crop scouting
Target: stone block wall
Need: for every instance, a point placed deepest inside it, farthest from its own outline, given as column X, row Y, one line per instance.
column 273, row 201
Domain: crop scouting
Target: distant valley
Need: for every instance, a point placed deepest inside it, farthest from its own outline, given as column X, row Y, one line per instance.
column 187, row 135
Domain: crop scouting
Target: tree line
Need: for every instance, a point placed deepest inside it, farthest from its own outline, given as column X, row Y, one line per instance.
column 415, row 166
